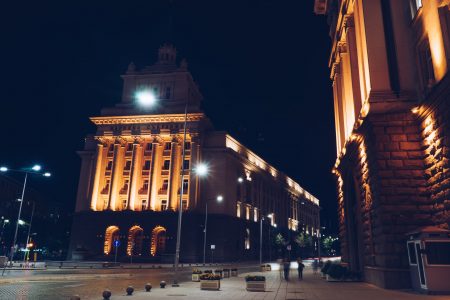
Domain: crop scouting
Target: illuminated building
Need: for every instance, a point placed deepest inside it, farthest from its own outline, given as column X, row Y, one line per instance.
column 389, row 72
column 130, row 181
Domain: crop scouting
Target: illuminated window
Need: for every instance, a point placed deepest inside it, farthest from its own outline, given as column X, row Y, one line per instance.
column 247, row 212
column 167, row 146
column 127, row 165
column 238, row 209
column 185, row 186
column 165, row 184
column 144, row 204
column 166, row 165
column 146, row 164
column 145, row 186
column 255, row 214
column 163, row 204
column 247, row 239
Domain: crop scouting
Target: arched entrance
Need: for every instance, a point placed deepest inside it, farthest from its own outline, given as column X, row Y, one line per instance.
column 135, row 237
column 158, row 241
column 111, row 234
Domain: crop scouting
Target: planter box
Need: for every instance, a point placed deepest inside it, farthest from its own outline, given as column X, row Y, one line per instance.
column 268, row 268
column 219, row 273
column 256, row 286
column 226, row 273
column 196, row 277
column 234, row 273
column 210, row 285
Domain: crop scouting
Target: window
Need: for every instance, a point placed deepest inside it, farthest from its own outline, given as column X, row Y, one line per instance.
column 426, row 64
column 438, row 253
column 167, row 146
column 247, row 212
column 129, row 147
column 127, row 165
column 166, row 164
column 185, row 186
column 165, row 185
column 238, row 209
column 143, row 204
column 163, row 204
column 255, row 214
column 412, row 254
column 147, row 164
column 111, row 148
column 187, row 145
column 149, row 147
column 145, row 186
column 184, row 204
column 109, row 165
column 125, row 184
column 167, row 95
column 186, row 164
column 106, row 188
column 124, row 204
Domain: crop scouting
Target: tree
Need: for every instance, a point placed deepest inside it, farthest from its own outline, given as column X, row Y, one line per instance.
column 279, row 240
column 303, row 241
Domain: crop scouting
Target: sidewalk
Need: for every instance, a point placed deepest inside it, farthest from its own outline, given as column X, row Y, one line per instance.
column 311, row 288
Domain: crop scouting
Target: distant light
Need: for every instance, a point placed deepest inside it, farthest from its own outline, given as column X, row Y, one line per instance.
column 30, row 245
column 270, row 215
column 201, row 169
column 3, row 169
column 21, row 222
column 19, row 199
column 275, row 225
column 6, row 221
column 47, row 174
column 415, row 110
column 36, row 168
column 145, row 98
column 220, row 198
column 240, row 179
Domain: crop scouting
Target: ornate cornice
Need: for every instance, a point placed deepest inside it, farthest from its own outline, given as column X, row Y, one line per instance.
column 145, row 119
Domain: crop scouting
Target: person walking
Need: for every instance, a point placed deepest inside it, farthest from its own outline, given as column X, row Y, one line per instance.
column 286, row 266
column 315, row 266
column 300, row 268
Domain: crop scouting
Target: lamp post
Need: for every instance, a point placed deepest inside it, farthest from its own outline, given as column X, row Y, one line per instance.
column 34, row 170
column 29, row 230
column 260, row 239
column 219, row 199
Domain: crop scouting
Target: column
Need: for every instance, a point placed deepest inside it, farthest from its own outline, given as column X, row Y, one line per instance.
column 84, row 182
column 134, row 175
column 193, row 179
column 116, row 174
column 97, row 177
column 155, row 174
column 174, row 176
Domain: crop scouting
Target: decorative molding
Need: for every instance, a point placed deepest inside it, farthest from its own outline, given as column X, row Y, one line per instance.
column 144, row 119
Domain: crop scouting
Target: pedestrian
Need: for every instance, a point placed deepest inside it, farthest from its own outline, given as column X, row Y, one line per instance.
column 315, row 266
column 300, row 268
column 280, row 267
column 286, row 266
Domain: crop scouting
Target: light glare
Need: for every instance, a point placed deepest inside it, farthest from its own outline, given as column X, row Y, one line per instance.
column 145, row 98
column 3, row 169
column 36, row 168
column 47, row 174
column 219, row 198
column 201, row 169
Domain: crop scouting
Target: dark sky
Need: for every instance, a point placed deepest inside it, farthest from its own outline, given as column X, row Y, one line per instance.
column 261, row 66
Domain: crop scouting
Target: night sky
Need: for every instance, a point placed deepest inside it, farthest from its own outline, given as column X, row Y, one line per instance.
column 261, row 66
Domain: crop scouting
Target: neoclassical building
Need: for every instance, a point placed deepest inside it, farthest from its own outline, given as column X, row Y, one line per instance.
column 390, row 75
column 130, row 181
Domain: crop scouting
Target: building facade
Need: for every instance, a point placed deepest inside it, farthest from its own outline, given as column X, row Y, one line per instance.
column 389, row 69
column 130, row 181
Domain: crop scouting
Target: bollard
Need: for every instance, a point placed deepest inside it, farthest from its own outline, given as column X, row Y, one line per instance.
column 106, row 294
column 130, row 290
column 148, row 287
column 162, row 284
column 75, row 297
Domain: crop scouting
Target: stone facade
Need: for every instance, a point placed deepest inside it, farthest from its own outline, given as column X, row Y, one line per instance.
column 131, row 184
column 390, row 80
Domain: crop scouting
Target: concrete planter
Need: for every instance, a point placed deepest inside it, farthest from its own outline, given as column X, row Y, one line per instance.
column 196, row 277
column 256, row 286
column 234, row 273
column 226, row 273
column 210, row 285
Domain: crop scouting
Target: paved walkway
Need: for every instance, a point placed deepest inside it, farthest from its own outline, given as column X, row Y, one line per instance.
column 311, row 288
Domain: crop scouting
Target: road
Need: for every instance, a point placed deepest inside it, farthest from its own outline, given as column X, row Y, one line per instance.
column 58, row 284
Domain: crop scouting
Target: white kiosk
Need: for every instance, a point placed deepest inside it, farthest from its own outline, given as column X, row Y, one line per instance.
column 429, row 259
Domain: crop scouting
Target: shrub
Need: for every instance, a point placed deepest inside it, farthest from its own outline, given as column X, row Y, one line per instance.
column 196, row 271
column 255, row 278
column 210, row 276
column 325, row 267
column 337, row 271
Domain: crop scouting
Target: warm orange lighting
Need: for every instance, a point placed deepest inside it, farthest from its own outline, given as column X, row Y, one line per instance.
column 155, row 234
column 415, row 110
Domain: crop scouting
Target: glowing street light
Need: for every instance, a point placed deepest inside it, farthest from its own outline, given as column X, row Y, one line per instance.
column 201, row 169
column 3, row 169
column 36, row 168
column 219, row 198
column 47, row 174
column 240, row 179
column 146, row 98
column 21, row 222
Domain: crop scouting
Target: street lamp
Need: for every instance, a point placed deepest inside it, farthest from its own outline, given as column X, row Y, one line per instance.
column 33, row 170
column 146, row 98
column 219, row 199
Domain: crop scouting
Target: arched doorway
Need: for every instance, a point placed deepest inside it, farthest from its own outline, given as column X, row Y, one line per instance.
column 158, row 241
column 111, row 234
column 135, row 237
